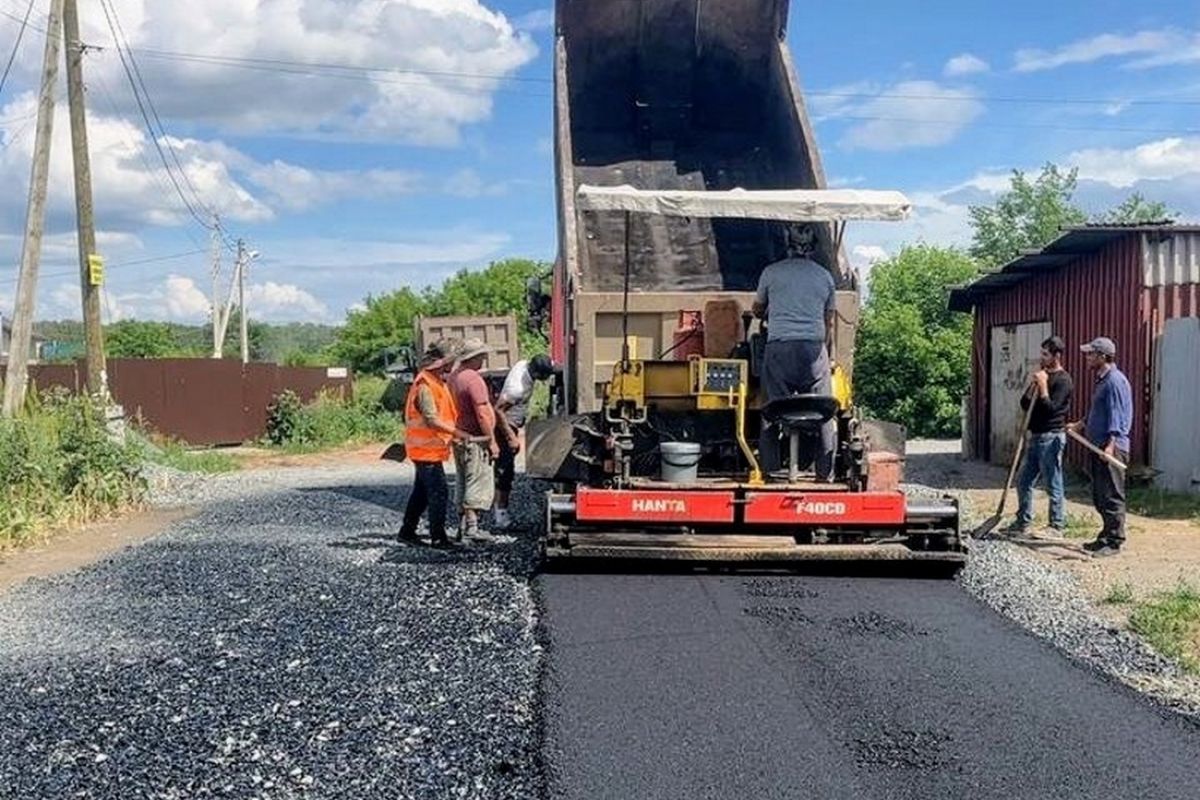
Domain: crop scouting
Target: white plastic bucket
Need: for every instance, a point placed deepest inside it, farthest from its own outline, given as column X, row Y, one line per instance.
column 680, row 461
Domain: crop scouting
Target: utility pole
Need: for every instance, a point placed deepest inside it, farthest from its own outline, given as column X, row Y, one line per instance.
column 245, row 320
column 91, row 274
column 216, row 286
column 17, row 372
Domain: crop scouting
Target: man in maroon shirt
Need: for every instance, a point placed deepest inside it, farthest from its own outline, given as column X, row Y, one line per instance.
column 473, row 458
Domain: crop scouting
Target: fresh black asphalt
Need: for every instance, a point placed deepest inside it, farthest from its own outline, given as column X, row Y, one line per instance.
column 726, row 686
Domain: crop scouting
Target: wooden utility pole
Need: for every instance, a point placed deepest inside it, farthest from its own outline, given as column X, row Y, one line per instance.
column 245, row 320
column 91, row 275
column 31, row 253
column 216, row 286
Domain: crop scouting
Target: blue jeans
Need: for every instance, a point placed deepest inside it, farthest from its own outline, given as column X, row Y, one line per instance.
column 1043, row 457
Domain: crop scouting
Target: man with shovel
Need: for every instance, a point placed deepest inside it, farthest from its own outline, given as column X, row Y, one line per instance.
column 1107, row 427
column 1050, row 394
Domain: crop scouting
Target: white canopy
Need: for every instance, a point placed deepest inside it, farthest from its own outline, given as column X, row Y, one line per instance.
column 807, row 205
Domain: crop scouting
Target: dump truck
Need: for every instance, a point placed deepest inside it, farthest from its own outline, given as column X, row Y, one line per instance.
column 684, row 156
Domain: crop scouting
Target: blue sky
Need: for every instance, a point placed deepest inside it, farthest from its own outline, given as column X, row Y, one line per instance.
column 353, row 182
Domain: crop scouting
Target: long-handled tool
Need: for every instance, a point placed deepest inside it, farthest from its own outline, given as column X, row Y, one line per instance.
column 990, row 523
column 1116, row 462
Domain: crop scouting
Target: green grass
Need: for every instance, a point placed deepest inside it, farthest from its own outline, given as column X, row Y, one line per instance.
column 332, row 421
column 179, row 456
column 1119, row 594
column 59, row 466
column 1148, row 501
column 1170, row 621
column 1081, row 526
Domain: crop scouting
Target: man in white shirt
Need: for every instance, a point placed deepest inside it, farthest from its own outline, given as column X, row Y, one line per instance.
column 512, row 409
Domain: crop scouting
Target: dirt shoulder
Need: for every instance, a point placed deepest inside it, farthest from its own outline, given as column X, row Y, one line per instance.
column 253, row 458
column 63, row 551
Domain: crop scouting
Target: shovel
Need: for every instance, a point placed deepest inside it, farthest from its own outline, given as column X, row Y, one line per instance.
column 1116, row 462
column 990, row 523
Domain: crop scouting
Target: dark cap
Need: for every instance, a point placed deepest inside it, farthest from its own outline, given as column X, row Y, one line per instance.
column 541, row 367
column 1101, row 345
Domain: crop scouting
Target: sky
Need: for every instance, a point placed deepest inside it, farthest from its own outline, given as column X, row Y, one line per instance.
column 422, row 144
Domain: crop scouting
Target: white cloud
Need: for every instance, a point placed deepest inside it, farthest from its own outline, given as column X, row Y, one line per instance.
column 1107, row 45
column 132, row 189
column 906, row 115
column 1186, row 52
column 411, row 76
column 184, row 300
column 468, row 183
column 283, row 301
column 1159, row 160
column 297, row 188
column 866, row 254
column 965, row 64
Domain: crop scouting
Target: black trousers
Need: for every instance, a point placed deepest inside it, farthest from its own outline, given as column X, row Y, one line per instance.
column 1108, row 496
column 430, row 493
column 506, row 465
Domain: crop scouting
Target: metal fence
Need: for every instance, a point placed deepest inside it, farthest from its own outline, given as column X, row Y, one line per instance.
column 200, row 401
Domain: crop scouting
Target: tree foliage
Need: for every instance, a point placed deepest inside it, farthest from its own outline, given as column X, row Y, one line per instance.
column 913, row 355
column 134, row 339
column 1136, row 210
column 386, row 322
column 1028, row 216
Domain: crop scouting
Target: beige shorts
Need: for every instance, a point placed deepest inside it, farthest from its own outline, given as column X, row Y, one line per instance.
column 476, row 482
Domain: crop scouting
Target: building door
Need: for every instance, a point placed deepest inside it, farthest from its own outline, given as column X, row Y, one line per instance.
column 1015, row 356
column 1176, row 432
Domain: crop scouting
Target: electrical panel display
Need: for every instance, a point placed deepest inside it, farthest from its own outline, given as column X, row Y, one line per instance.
column 720, row 376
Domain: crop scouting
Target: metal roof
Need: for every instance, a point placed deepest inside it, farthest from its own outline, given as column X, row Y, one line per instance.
column 1073, row 242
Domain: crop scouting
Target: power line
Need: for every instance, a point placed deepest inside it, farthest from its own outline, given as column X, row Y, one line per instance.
column 122, row 264
column 16, row 46
column 150, row 103
column 1019, row 125
column 15, row 18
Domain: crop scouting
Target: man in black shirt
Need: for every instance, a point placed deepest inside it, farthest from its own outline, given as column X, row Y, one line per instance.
column 1050, row 392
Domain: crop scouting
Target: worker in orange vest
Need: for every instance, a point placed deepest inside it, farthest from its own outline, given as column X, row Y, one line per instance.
column 431, row 422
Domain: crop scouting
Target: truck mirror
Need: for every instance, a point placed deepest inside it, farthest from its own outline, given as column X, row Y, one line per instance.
column 537, row 303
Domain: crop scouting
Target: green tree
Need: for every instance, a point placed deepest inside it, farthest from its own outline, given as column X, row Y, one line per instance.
column 913, row 355
column 1028, row 216
column 498, row 290
column 1136, row 210
column 385, row 323
column 134, row 339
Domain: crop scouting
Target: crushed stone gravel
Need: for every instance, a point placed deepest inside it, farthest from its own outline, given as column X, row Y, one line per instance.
column 280, row 644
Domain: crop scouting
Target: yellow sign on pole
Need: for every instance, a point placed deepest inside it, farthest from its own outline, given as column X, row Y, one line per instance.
column 95, row 270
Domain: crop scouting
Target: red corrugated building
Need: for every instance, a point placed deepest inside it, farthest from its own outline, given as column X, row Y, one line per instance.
column 1124, row 282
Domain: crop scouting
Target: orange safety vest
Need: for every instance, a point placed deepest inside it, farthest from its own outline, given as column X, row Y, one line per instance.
column 422, row 442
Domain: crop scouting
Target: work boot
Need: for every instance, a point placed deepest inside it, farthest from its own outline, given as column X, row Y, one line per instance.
column 443, row 544
column 408, row 537
column 1106, row 550
column 1016, row 529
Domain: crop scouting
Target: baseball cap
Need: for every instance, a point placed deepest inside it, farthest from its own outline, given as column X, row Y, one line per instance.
column 437, row 353
column 1102, row 345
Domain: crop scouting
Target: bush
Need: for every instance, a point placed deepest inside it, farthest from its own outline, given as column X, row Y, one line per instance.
column 58, row 465
column 331, row 421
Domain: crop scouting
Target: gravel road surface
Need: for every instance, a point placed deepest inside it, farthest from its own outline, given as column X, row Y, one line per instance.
column 278, row 645
column 710, row 686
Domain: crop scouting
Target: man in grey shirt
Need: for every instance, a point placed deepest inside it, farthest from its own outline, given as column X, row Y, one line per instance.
column 799, row 299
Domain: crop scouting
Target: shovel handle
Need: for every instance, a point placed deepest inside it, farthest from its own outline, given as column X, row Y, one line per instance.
column 1116, row 462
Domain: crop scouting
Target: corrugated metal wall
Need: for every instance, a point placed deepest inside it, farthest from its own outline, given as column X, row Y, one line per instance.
column 1100, row 294
column 1172, row 259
